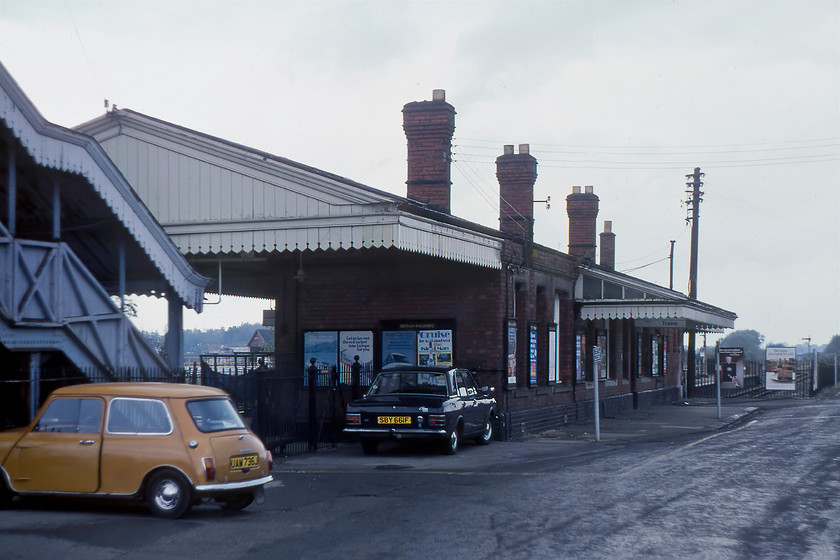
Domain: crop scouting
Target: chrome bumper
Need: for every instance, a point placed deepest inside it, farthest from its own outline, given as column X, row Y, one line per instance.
column 231, row 486
column 396, row 432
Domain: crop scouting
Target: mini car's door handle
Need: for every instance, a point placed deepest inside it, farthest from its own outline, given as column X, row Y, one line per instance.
column 87, row 442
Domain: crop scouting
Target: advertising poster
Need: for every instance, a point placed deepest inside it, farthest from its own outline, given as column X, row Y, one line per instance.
column 580, row 358
column 731, row 368
column 511, row 354
column 553, row 370
column 780, row 368
column 355, row 343
column 532, row 355
column 654, row 355
column 323, row 347
column 399, row 347
column 434, row 347
column 603, row 365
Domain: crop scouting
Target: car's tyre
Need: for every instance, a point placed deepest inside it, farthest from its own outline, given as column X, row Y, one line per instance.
column 168, row 495
column 369, row 446
column 238, row 503
column 453, row 441
column 488, row 431
column 5, row 495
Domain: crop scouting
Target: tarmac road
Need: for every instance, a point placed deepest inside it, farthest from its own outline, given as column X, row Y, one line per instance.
column 762, row 481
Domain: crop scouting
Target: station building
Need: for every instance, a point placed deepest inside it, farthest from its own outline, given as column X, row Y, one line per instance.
column 357, row 274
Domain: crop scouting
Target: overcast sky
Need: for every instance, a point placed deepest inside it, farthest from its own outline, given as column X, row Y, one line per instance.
column 627, row 96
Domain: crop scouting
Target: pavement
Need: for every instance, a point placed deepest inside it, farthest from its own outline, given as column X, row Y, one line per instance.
column 665, row 422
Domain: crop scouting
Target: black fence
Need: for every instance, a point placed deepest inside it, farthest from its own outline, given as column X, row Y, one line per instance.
column 292, row 413
column 807, row 381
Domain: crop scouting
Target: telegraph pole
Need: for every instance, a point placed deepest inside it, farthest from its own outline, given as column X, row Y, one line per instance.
column 695, row 197
column 671, row 258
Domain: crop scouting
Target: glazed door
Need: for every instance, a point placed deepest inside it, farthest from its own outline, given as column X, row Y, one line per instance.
column 468, row 393
column 61, row 453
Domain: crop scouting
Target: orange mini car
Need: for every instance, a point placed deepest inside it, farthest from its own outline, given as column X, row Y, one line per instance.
column 168, row 445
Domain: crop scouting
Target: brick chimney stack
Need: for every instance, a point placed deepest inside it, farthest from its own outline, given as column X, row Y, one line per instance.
column 608, row 246
column 582, row 208
column 517, row 174
column 429, row 126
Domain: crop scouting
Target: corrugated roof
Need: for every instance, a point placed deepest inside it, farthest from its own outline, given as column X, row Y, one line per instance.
column 217, row 197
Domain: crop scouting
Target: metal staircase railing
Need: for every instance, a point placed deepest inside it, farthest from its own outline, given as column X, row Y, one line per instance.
column 49, row 300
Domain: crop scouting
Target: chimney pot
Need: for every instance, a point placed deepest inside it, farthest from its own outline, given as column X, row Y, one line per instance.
column 589, row 189
column 524, row 148
column 438, row 95
column 607, row 226
column 508, row 149
column 576, row 189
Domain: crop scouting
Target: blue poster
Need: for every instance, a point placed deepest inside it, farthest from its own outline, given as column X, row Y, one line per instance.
column 399, row 347
column 533, row 355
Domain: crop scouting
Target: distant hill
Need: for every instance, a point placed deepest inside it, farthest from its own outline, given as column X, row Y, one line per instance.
column 203, row 342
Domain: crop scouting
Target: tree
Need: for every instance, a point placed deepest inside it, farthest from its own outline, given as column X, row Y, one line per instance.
column 832, row 348
column 749, row 340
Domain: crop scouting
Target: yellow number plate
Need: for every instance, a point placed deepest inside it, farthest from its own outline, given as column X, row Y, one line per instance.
column 244, row 462
column 393, row 420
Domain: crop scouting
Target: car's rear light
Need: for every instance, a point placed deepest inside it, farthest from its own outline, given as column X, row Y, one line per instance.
column 209, row 468
column 437, row 420
column 353, row 419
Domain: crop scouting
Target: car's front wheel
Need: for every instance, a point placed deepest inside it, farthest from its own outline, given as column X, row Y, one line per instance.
column 453, row 441
column 487, row 433
column 168, row 495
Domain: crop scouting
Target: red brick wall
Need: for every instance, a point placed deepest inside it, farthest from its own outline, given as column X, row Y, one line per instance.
column 410, row 287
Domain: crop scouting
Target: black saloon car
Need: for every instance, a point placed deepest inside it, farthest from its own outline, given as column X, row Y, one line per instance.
column 416, row 402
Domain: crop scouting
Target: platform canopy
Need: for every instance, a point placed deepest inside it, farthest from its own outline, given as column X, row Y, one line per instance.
column 606, row 294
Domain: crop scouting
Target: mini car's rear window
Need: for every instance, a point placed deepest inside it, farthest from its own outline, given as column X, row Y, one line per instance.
column 214, row 415
column 417, row 382
column 138, row 416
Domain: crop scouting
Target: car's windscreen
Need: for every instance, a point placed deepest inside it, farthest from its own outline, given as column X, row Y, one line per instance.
column 214, row 415
column 413, row 382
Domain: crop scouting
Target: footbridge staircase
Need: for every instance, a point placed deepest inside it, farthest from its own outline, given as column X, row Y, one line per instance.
column 50, row 302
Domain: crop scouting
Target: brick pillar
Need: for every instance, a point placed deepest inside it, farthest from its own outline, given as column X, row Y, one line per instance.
column 429, row 126
column 582, row 208
column 608, row 246
column 517, row 174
